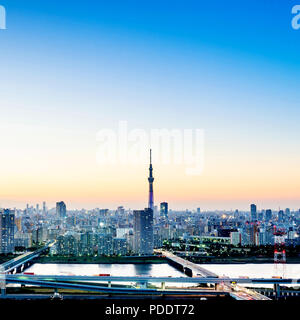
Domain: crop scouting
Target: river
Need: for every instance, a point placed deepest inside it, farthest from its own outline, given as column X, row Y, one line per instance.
column 267, row 270
column 264, row 270
column 154, row 270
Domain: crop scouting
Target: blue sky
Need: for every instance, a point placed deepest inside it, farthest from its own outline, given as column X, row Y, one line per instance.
column 231, row 68
column 152, row 49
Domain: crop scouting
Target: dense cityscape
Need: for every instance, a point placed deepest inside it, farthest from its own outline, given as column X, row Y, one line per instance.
column 114, row 232
column 121, row 232
column 183, row 240
column 149, row 158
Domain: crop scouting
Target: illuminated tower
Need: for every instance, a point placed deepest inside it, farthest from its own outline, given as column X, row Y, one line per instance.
column 151, row 179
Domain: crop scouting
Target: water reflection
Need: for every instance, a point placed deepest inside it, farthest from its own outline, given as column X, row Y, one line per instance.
column 264, row 270
column 143, row 269
column 153, row 270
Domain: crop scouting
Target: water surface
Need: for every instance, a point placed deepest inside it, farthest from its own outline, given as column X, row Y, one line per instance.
column 123, row 270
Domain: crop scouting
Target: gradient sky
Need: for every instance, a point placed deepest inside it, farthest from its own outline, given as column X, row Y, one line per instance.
column 229, row 67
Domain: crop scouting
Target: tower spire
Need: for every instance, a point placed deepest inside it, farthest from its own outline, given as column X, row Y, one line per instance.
column 151, row 179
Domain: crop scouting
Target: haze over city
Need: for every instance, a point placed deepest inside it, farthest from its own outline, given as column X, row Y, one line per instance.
column 149, row 157
column 166, row 67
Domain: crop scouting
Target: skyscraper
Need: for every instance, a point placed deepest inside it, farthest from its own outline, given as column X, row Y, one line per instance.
column 61, row 210
column 164, row 210
column 261, row 215
column 280, row 216
column 143, row 231
column 151, row 179
column 268, row 215
column 236, row 214
column 7, row 225
column 44, row 208
column 253, row 212
column 251, row 230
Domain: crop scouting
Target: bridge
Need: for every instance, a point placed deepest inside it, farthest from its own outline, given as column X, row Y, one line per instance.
column 89, row 286
column 197, row 275
column 19, row 263
column 186, row 266
column 149, row 279
column 103, row 285
column 191, row 269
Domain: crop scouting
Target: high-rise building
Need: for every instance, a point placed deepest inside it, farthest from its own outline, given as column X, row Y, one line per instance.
column 268, row 215
column 143, row 231
column 280, row 216
column 7, row 226
column 22, row 240
column 253, row 212
column 245, row 238
column 235, row 238
column 44, row 208
column 18, row 223
column 61, row 209
column 261, row 215
column 105, row 245
column 119, row 246
column 287, row 212
column 236, row 214
column 151, row 179
column 252, row 231
column 39, row 234
column 164, row 210
column 67, row 245
column 121, row 211
column 262, row 237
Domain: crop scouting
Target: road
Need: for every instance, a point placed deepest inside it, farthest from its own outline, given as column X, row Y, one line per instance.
column 237, row 292
column 192, row 280
column 196, row 269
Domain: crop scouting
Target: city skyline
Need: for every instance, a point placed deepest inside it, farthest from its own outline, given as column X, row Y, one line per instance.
column 155, row 66
column 149, row 156
column 157, row 208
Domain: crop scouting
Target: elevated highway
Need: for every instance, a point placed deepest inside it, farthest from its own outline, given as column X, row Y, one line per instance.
column 197, row 275
column 96, row 284
column 147, row 279
column 23, row 261
column 188, row 267
column 109, row 290
column 192, row 269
